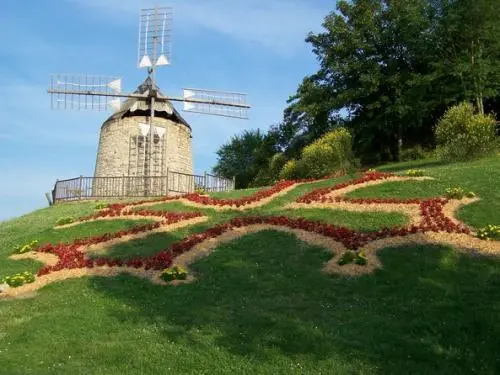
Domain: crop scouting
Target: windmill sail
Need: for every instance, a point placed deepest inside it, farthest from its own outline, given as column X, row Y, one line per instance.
column 218, row 103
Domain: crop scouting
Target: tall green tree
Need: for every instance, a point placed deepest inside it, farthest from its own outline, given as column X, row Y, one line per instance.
column 244, row 155
column 468, row 42
column 390, row 68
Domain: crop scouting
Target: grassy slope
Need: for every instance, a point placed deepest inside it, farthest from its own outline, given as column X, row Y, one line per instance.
column 261, row 304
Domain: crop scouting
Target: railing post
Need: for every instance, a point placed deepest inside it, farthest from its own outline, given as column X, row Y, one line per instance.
column 123, row 184
column 205, row 182
column 80, row 187
column 234, row 183
column 54, row 192
column 167, row 187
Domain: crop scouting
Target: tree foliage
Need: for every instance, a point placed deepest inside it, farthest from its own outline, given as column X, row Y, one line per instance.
column 388, row 71
column 244, row 156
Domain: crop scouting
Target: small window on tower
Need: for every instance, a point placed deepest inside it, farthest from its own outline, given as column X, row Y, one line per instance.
column 140, row 141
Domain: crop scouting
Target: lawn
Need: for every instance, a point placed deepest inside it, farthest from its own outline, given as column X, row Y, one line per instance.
column 261, row 304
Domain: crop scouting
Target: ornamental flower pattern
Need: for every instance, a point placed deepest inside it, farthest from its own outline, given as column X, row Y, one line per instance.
column 72, row 255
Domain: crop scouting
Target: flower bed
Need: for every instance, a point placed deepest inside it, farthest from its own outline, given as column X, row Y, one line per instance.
column 115, row 209
column 319, row 195
column 70, row 256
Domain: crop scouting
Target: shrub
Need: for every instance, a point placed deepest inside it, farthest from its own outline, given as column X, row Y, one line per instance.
column 461, row 134
column 415, row 172
column 200, row 190
column 18, row 279
column 330, row 153
column 174, row 273
column 25, row 248
column 361, row 259
column 65, row 220
column 458, row 193
column 347, row 257
column 101, row 205
column 413, row 153
column 289, row 170
column 490, row 232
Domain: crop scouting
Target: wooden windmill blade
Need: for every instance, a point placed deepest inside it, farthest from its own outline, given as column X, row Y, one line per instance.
column 217, row 103
column 86, row 92
column 146, row 115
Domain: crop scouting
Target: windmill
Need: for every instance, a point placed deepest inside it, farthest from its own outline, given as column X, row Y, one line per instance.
column 92, row 92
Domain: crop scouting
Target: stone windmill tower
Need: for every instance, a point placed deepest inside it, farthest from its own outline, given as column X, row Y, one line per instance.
column 146, row 137
column 124, row 136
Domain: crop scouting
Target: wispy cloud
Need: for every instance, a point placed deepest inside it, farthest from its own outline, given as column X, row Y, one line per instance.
column 279, row 25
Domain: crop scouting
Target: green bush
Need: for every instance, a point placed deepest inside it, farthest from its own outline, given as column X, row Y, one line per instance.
column 361, row 259
column 101, row 205
column 174, row 273
column 21, row 249
column 458, row 193
column 65, row 220
column 413, row 153
column 18, row 279
column 415, row 172
column 351, row 256
column 347, row 257
column 289, row 170
column 328, row 154
column 200, row 190
column 490, row 232
column 461, row 134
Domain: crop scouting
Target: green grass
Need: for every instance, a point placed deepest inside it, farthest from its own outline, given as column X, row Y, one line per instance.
column 363, row 221
column 401, row 189
column 480, row 176
column 261, row 304
column 240, row 193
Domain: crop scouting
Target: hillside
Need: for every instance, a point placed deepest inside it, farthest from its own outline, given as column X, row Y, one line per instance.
column 266, row 290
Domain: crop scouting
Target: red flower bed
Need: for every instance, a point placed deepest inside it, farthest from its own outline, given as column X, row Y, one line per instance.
column 114, row 210
column 318, row 195
column 433, row 219
column 117, row 211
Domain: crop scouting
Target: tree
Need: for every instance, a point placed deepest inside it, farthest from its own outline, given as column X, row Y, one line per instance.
column 390, row 68
column 244, row 156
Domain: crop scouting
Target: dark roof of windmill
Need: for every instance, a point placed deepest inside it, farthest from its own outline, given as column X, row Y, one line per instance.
column 163, row 109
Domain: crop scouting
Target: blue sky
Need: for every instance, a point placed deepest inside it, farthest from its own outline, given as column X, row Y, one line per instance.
column 252, row 46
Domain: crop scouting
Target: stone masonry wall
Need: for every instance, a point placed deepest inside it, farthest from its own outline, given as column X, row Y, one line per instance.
column 114, row 145
column 114, row 148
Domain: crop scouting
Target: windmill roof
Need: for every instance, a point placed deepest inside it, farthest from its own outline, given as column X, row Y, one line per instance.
column 163, row 109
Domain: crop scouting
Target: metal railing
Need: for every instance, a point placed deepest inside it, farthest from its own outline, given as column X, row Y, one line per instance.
column 137, row 186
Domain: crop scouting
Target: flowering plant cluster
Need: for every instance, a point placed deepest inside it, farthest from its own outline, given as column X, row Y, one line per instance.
column 174, row 273
column 65, row 220
column 115, row 209
column 458, row 193
column 18, row 279
column 70, row 256
column 257, row 196
column 350, row 256
column 319, row 195
column 490, row 232
column 169, row 217
column 433, row 218
column 197, row 197
column 415, row 172
column 101, row 205
column 30, row 246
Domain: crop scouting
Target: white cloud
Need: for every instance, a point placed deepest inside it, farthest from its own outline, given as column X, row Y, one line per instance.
column 279, row 25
